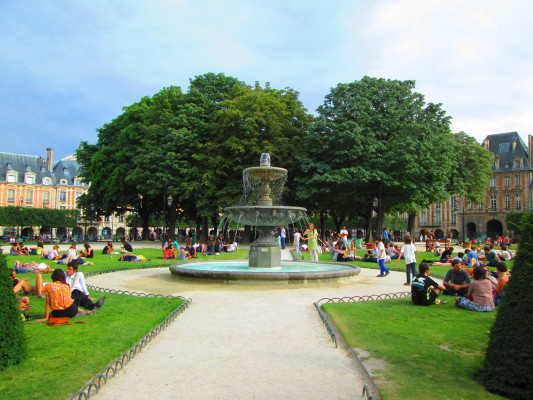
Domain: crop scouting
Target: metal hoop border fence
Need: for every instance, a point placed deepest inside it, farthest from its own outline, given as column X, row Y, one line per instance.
column 367, row 392
column 94, row 385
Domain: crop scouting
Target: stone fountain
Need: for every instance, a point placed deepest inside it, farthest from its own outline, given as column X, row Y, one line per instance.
column 264, row 251
column 264, row 263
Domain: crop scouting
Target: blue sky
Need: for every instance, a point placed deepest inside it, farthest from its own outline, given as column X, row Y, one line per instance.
column 69, row 66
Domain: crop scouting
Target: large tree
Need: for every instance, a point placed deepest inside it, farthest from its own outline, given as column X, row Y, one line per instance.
column 377, row 139
column 255, row 121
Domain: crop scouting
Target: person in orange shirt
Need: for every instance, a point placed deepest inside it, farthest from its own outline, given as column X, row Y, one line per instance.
column 59, row 302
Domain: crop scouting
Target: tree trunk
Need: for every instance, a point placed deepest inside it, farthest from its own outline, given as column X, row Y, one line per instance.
column 411, row 224
column 205, row 229
column 214, row 219
column 322, row 223
column 172, row 222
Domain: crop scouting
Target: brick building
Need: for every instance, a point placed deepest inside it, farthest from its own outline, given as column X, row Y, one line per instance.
column 509, row 189
column 32, row 181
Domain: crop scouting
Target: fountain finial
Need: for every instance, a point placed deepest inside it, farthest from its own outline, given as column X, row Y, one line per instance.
column 265, row 160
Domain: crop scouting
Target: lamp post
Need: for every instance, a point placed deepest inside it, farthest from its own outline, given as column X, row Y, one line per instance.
column 463, row 221
column 167, row 200
column 375, row 203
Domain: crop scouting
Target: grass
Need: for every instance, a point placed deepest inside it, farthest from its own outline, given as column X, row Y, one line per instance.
column 429, row 352
column 62, row 359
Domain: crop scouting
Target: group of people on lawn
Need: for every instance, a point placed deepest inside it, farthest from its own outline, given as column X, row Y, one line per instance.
column 67, row 294
column 172, row 250
column 474, row 285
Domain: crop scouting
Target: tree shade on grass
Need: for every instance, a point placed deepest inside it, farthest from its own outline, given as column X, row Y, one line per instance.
column 508, row 365
column 12, row 342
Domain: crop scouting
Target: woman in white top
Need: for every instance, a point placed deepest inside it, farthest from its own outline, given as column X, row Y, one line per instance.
column 72, row 252
column 408, row 251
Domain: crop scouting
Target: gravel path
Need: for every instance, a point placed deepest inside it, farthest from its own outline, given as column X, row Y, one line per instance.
column 242, row 341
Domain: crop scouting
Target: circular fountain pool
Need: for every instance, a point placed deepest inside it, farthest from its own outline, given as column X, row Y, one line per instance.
column 289, row 272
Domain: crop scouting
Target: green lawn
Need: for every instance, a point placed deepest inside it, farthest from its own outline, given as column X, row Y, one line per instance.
column 428, row 352
column 61, row 359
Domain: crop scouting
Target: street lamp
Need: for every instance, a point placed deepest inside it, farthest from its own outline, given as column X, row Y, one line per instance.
column 167, row 200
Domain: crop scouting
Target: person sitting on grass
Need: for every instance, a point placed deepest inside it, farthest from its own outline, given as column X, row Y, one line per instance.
column 424, row 290
column 503, row 280
column 504, row 254
column 23, row 268
column 456, row 280
column 230, row 247
column 191, row 250
column 491, row 257
column 471, row 258
column 24, row 286
column 88, row 252
column 108, row 249
column 126, row 247
column 183, row 255
column 53, row 254
column 342, row 254
column 169, row 252
column 479, row 293
column 59, row 301
column 78, row 287
column 370, row 256
column 15, row 250
column 447, row 255
column 23, row 249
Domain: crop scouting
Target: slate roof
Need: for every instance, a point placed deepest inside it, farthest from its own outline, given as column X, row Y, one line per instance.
column 22, row 164
column 501, row 144
column 66, row 168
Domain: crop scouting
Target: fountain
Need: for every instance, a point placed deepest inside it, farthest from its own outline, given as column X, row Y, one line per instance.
column 264, row 262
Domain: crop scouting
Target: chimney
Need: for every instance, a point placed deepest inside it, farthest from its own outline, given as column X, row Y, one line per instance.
column 49, row 158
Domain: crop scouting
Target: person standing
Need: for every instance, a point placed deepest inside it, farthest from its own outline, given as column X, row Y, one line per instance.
column 311, row 235
column 297, row 235
column 408, row 251
column 283, row 237
column 386, row 236
column 344, row 235
column 382, row 255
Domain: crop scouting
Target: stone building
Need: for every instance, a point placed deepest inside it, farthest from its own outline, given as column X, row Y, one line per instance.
column 32, row 181
column 509, row 189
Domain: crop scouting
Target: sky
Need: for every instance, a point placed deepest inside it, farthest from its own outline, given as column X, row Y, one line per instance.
column 67, row 67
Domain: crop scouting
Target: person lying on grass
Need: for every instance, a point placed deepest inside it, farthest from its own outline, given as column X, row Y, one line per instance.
column 479, row 296
column 24, row 286
column 459, row 257
column 78, row 287
column 23, row 268
column 59, row 301
column 424, row 290
column 131, row 257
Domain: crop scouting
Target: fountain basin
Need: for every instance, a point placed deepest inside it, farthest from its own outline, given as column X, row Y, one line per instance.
column 288, row 272
column 265, row 215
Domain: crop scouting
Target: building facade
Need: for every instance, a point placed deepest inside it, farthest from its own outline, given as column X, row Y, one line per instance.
column 32, row 181
column 509, row 189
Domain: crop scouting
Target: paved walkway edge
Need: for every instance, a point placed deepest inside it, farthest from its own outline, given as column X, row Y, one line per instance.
column 370, row 388
column 93, row 386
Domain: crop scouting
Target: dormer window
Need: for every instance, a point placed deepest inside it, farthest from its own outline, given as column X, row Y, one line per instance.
column 29, row 178
column 517, row 162
column 47, row 181
column 11, row 177
column 28, row 168
column 63, row 182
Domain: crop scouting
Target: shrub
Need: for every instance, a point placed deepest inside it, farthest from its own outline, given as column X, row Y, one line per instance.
column 12, row 343
column 509, row 358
